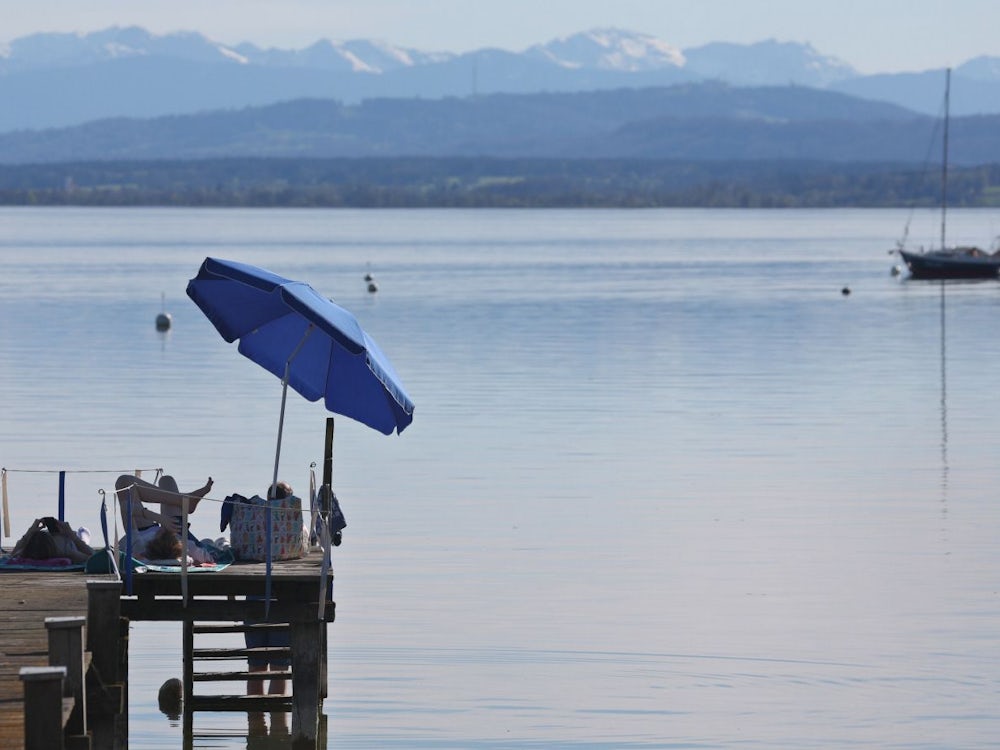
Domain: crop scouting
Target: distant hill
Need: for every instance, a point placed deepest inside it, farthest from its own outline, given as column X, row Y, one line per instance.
column 707, row 121
column 60, row 80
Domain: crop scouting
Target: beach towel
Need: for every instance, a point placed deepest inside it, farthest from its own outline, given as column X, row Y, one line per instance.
column 51, row 564
column 100, row 562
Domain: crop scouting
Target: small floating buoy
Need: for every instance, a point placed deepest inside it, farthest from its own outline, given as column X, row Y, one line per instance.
column 896, row 270
column 372, row 287
column 163, row 320
column 845, row 291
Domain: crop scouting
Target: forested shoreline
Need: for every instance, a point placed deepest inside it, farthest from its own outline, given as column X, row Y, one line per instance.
column 492, row 182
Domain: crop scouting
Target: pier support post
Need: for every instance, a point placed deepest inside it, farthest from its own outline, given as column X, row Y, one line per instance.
column 306, row 654
column 43, row 707
column 103, row 615
column 107, row 641
column 66, row 650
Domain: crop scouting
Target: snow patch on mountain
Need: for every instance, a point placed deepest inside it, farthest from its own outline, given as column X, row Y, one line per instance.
column 114, row 51
column 231, row 54
column 609, row 49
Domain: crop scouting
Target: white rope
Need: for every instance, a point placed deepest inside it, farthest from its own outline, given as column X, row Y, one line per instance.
column 137, row 472
column 313, row 503
column 110, row 545
column 6, row 498
column 6, row 507
column 184, row 550
column 327, row 563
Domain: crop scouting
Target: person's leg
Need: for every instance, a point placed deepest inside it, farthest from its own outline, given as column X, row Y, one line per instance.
column 146, row 492
column 277, row 687
column 256, row 687
column 125, row 484
column 172, row 505
column 172, row 500
column 279, row 640
column 255, row 639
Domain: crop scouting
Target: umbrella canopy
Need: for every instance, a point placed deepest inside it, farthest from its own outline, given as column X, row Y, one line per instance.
column 316, row 347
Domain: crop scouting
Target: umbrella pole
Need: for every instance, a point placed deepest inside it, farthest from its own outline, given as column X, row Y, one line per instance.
column 281, row 424
column 284, row 393
column 274, row 486
column 274, row 478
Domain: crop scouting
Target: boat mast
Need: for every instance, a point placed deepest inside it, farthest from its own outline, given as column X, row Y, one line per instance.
column 944, row 157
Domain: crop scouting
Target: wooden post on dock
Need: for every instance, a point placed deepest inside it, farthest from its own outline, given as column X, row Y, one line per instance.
column 66, row 650
column 108, row 721
column 306, row 654
column 103, row 615
column 43, row 707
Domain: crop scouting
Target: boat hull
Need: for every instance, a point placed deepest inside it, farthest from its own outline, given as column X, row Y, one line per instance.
column 951, row 265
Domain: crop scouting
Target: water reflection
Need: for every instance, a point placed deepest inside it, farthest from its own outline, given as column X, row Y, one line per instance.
column 944, row 400
column 261, row 731
column 171, row 698
column 269, row 732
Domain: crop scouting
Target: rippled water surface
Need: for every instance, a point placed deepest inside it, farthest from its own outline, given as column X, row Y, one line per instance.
column 666, row 486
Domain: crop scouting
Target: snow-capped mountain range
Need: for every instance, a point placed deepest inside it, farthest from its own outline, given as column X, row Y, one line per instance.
column 599, row 49
column 56, row 79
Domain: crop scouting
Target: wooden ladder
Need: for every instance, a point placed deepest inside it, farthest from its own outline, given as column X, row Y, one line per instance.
column 235, row 702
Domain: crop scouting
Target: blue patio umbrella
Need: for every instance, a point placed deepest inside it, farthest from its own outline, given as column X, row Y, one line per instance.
column 315, row 346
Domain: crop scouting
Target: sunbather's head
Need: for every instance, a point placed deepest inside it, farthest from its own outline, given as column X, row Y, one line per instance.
column 279, row 491
column 164, row 546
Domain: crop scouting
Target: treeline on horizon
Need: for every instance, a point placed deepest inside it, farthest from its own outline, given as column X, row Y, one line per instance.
column 489, row 182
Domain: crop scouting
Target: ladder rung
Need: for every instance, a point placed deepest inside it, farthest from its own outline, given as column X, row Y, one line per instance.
column 239, row 702
column 240, row 653
column 239, row 627
column 285, row 674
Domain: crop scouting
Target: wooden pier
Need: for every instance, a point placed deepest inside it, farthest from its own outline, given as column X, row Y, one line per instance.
column 40, row 609
column 42, row 676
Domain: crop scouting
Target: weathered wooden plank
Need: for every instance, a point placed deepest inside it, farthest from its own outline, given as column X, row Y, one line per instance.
column 240, row 653
column 29, row 597
column 241, row 702
column 239, row 627
column 283, row 674
column 221, row 609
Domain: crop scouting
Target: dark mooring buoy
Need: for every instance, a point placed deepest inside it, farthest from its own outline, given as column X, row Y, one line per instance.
column 163, row 320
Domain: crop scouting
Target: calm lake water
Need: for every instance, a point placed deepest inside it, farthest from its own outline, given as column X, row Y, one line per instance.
column 666, row 485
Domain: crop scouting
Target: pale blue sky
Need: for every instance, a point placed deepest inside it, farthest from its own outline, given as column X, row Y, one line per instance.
column 872, row 35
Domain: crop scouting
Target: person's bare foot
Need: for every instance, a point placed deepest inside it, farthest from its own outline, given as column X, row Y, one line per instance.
column 198, row 495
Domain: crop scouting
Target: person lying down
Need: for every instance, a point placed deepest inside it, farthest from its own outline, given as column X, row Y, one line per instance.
column 155, row 535
column 158, row 544
column 51, row 539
